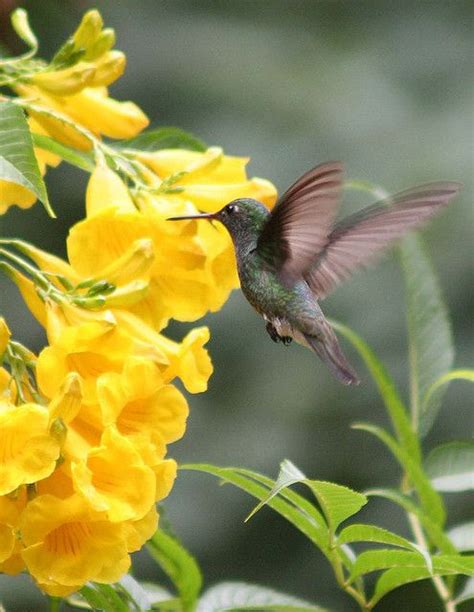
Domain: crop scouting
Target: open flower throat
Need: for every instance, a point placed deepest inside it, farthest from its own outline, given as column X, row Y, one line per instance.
column 85, row 425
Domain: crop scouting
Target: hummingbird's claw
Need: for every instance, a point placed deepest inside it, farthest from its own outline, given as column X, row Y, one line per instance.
column 275, row 336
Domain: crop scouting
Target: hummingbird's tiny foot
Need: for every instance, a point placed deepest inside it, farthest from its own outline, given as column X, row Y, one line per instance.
column 286, row 340
column 272, row 332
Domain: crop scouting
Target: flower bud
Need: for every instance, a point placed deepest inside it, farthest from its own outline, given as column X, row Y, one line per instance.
column 88, row 31
column 65, row 82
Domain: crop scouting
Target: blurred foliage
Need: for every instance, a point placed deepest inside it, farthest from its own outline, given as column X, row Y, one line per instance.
column 386, row 88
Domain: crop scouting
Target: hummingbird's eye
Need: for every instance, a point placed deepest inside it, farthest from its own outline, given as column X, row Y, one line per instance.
column 232, row 208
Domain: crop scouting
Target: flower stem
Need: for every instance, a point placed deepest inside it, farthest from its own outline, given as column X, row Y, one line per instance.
column 55, row 604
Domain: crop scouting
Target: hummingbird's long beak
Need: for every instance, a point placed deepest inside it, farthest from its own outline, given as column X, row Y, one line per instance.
column 202, row 216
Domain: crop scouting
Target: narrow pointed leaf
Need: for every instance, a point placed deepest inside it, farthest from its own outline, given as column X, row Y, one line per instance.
column 338, row 502
column 162, row 138
column 289, row 474
column 179, row 565
column 17, row 159
column 374, row 560
column 467, row 593
column 81, row 159
column 462, row 374
column 134, row 593
column 430, row 339
column 386, row 387
column 430, row 500
column 236, row 596
column 399, row 576
column 315, row 531
column 103, row 597
column 372, row 533
column 298, row 501
column 451, row 467
column 462, row 536
column 435, row 533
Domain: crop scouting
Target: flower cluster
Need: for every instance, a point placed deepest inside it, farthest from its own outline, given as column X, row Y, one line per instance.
column 85, row 425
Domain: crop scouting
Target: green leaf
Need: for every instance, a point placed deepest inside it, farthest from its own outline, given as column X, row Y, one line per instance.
column 236, row 596
column 22, row 27
column 464, row 374
column 443, row 565
column 435, row 533
column 289, row 474
column 430, row 341
column 374, row 560
column 103, row 597
column 338, row 502
column 298, row 501
column 162, row 138
column 17, row 159
column 450, row 466
column 387, row 390
column 287, row 504
column 84, row 161
column 372, row 533
column 467, row 593
column 462, row 536
column 179, row 565
column 431, row 502
column 134, row 593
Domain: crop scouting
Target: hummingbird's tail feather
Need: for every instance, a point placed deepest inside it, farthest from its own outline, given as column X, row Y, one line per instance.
column 326, row 346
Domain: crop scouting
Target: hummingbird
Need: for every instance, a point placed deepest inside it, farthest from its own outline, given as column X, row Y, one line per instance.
column 291, row 258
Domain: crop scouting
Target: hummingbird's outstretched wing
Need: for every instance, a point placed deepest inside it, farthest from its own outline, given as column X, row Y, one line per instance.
column 359, row 238
column 298, row 228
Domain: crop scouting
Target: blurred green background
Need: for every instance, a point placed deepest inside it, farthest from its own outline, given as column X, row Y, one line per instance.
column 387, row 88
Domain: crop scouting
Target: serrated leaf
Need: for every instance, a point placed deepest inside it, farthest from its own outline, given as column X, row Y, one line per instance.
column 235, row 596
column 298, row 501
column 17, row 159
column 462, row 536
column 374, row 560
column 396, row 577
column 393, row 403
column 81, row 159
column 430, row 341
column 435, row 533
column 443, row 565
column 289, row 474
column 372, row 533
column 450, row 466
column 431, row 502
column 338, row 502
column 162, row 138
column 310, row 523
column 179, row 565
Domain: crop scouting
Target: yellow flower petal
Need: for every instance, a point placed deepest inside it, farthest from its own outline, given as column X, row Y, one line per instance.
column 66, row 81
column 103, row 115
column 114, row 479
column 67, row 403
column 68, row 543
column 12, row 194
column 4, row 336
column 29, row 451
column 138, row 532
column 106, row 188
column 157, row 410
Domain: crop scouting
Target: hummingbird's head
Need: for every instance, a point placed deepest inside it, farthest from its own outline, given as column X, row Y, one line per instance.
column 244, row 219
